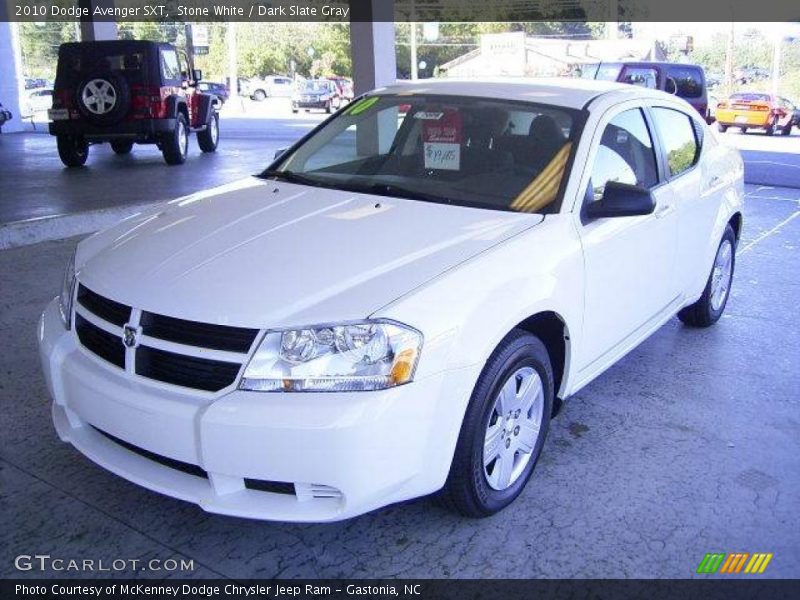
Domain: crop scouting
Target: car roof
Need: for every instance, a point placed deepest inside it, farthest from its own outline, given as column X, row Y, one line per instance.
column 571, row 93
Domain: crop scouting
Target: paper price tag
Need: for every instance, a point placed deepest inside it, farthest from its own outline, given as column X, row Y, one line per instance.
column 441, row 155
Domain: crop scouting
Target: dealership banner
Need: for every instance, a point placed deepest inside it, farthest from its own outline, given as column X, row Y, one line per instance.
column 408, row 589
column 400, row 10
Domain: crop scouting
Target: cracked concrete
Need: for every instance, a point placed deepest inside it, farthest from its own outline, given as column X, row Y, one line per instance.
column 691, row 444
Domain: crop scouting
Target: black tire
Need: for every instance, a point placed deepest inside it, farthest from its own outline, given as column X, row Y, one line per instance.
column 328, row 107
column 122, row 146
column 112, row 83
column 703, row 313
column 295, row 111
column 787, row 129
column 467, row 490
column 208, row 139
column 72, row 151
column 259, row 95
column 743, row 129
column 770, row 129
column 173, row 147
column 722, row 128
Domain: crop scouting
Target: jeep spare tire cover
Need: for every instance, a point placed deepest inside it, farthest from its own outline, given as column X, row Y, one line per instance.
column 103, row 98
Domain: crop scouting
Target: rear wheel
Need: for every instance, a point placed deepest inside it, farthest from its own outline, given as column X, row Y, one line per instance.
column 709, row 308
column 122, row 146
column 209, row 137
column 259, row 95
column 504, row 428
column 787, row 129
column 722, row 128
column 72, row 151
column 175, row 146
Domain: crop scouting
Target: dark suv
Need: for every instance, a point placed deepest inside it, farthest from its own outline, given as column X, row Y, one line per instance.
column 127, row 92
column 683, row 80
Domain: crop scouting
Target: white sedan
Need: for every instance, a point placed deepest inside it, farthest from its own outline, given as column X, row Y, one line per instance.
column 396, row 306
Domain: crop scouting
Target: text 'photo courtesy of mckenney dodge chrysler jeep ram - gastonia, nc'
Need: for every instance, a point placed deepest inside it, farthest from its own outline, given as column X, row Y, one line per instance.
column 398, row 303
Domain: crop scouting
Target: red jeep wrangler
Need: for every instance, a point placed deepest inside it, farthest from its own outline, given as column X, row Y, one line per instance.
column 127, row 92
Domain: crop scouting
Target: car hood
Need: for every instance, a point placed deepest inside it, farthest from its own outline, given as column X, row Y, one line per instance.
column 269, row 254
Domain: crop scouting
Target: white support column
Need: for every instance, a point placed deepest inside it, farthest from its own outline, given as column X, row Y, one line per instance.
column 372, row 44
column 11, row 84
column 95, row 31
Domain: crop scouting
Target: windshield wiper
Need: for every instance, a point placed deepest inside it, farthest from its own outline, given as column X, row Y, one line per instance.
column 391, row 190
column 291, row 177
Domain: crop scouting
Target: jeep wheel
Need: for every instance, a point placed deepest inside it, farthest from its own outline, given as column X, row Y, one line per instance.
column 787, row 129
column 72, row 151
column 770, row 129
column 122, row 146
column 328, row 107
column 259, row 95
column 175, row 146
column 209, row 137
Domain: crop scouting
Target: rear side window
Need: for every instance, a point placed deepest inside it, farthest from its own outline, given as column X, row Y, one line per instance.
column 170, row 69
column 641, row 76
column 688, row 82
column 625, row 154
column 679, row 137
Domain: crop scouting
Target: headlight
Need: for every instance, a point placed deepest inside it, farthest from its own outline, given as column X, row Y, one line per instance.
column 350, row 357
column 67, row 292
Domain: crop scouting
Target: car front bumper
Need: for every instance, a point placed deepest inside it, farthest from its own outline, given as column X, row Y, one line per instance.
column 343, row 454
column 307, row 104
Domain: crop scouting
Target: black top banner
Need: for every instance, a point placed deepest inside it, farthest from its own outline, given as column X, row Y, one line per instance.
column 339, row 11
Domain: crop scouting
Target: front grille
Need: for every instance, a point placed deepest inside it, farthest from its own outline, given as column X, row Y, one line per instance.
column 186, row 371
column 106, row 309
column 99, row 325
column 99, row 341
column 203, row 335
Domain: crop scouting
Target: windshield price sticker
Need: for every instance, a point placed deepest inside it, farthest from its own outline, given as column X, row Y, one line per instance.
column 441, row 137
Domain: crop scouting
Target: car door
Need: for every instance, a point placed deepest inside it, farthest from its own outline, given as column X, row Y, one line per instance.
column 697, row 188
column 629, row 261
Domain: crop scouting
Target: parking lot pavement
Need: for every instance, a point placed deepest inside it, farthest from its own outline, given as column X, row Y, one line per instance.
column 689, row 445
column 247, row 146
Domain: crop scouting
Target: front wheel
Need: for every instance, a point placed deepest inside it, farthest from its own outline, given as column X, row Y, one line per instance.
column 722, row 128
column 175, row 146
column 504, row 428
column 787, row 129
column 208, row 139
column 72, row 151
column 709, row 308
column 259, row 95
column 770, row 130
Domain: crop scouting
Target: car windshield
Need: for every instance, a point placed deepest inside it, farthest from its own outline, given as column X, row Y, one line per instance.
column 314, row 86
column 466, row 151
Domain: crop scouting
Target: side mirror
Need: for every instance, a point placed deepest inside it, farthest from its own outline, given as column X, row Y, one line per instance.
column 279, row 152
column 197, row 75
column 622, row 200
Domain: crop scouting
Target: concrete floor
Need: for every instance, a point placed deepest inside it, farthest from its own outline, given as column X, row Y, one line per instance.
column 689, row 445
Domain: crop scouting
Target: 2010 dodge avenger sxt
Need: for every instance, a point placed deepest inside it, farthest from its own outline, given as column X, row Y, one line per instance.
column 396, row 305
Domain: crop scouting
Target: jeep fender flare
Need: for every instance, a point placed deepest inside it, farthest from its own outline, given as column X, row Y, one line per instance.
column 175, row 104
column 205, row 107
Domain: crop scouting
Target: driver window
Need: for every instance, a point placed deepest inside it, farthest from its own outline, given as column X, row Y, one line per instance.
column 625, row 154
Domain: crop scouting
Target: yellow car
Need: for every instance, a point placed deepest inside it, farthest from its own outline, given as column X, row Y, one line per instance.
column 754, row 110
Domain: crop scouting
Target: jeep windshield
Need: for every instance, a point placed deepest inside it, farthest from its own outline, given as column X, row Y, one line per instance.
column 476, row 152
